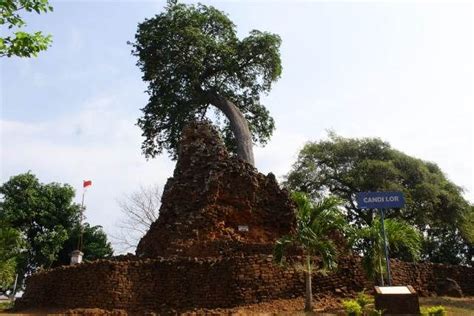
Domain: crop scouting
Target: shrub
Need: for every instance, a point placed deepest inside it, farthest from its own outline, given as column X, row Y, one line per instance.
column 433, row 311
column 375, row 312
column 6, row 305
column 364, row 299
column 352, row 308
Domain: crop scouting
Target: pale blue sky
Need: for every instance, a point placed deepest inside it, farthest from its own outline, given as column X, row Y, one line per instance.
column 403, row 72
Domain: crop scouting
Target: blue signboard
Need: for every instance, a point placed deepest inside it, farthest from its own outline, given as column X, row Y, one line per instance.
column 380, row 200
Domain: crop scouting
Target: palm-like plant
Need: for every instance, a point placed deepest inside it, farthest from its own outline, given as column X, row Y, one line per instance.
column 369, row 241
column 314, row 224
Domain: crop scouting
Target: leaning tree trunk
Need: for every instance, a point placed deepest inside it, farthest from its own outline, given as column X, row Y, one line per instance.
column 238, row 124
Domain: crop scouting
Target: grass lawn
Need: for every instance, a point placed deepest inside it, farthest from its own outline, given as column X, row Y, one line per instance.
column 454, row 306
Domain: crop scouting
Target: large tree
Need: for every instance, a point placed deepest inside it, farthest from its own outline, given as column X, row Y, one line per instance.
column 46, row 218
column 345, row 166
column 192, row 58
column 14, row 41
column 44, row 213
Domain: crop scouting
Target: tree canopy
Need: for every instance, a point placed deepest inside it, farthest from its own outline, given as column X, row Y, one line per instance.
column 47, row 221
column 16, row 42
column 10, row 248
column 435, row 205
column 96, row 245
column 192, row 58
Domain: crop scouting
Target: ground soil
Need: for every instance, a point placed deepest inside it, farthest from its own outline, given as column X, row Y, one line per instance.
column 323, row 305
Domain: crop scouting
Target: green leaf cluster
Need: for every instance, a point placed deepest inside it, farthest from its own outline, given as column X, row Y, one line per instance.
column 95, row 244
column 45, row 221
column 433, row 311
column 352, row 308
column 315, row 223
column 20, row 43
column 369, row 241
column 364, row 299
column 11, row 246
column 434, row 205
column 190, row 51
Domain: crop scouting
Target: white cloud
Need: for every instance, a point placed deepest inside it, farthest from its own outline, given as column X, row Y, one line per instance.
column 99, row 143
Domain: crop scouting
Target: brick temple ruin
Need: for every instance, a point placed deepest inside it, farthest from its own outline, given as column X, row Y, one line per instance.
column 211, row 247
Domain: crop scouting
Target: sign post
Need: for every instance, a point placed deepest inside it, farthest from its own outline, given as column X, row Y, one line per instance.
column 381, row 201
column 387, row 259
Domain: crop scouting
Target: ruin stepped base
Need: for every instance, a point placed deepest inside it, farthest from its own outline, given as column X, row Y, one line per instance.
column 196, row 256
column 162, row 284
column 177, row 283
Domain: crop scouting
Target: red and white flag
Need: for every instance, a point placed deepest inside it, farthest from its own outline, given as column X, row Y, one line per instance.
column 86, row 183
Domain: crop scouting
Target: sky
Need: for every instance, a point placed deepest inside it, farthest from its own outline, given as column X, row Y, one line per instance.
column 400, row 71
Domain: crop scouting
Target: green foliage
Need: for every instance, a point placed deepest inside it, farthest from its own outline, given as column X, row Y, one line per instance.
column 315, row 222
column 47, row 221
column 467, row 226
column 44, row 213
column 20, row 43
column 364, row 299
column 345, row 166
column 95, row 242
column 369, row 241
column 6, row 305
column 188, row 53
column 10, row 247
column 433, row 311
column 352, row 308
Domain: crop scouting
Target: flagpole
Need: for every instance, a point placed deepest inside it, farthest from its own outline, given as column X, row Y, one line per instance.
column 80, row 241
column 76, row 255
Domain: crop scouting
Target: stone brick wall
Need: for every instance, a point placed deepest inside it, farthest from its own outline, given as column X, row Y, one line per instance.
column 427, row 278
column 195, row 256
column 210, row 195
column 144, row 284
column 184, row 283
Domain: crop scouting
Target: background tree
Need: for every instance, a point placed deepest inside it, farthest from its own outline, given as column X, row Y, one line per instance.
column 44, row 214
column 344, row 166
column 369, row 241
column 192, row 59
column 139, row 210
column 315, row 223
column 17, row 42
column 11, row 246
column 96, row 245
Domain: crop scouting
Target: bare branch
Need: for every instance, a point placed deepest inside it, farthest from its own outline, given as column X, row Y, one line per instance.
column 139, row 210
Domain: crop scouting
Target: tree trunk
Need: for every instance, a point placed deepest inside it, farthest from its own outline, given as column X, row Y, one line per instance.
column 308, row 304
column 238, row 124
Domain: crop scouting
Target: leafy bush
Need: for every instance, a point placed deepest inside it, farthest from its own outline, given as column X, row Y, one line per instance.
column 364, row 299
column 352, row 307
column 433, row 311
column 6, row 305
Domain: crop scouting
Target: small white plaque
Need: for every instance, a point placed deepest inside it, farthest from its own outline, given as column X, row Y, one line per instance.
column 243, row 228
column 394, row 290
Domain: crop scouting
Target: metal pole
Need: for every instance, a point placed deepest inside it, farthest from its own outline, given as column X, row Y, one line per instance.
column 387, row 259
column 80, row 241
column 14, row 287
